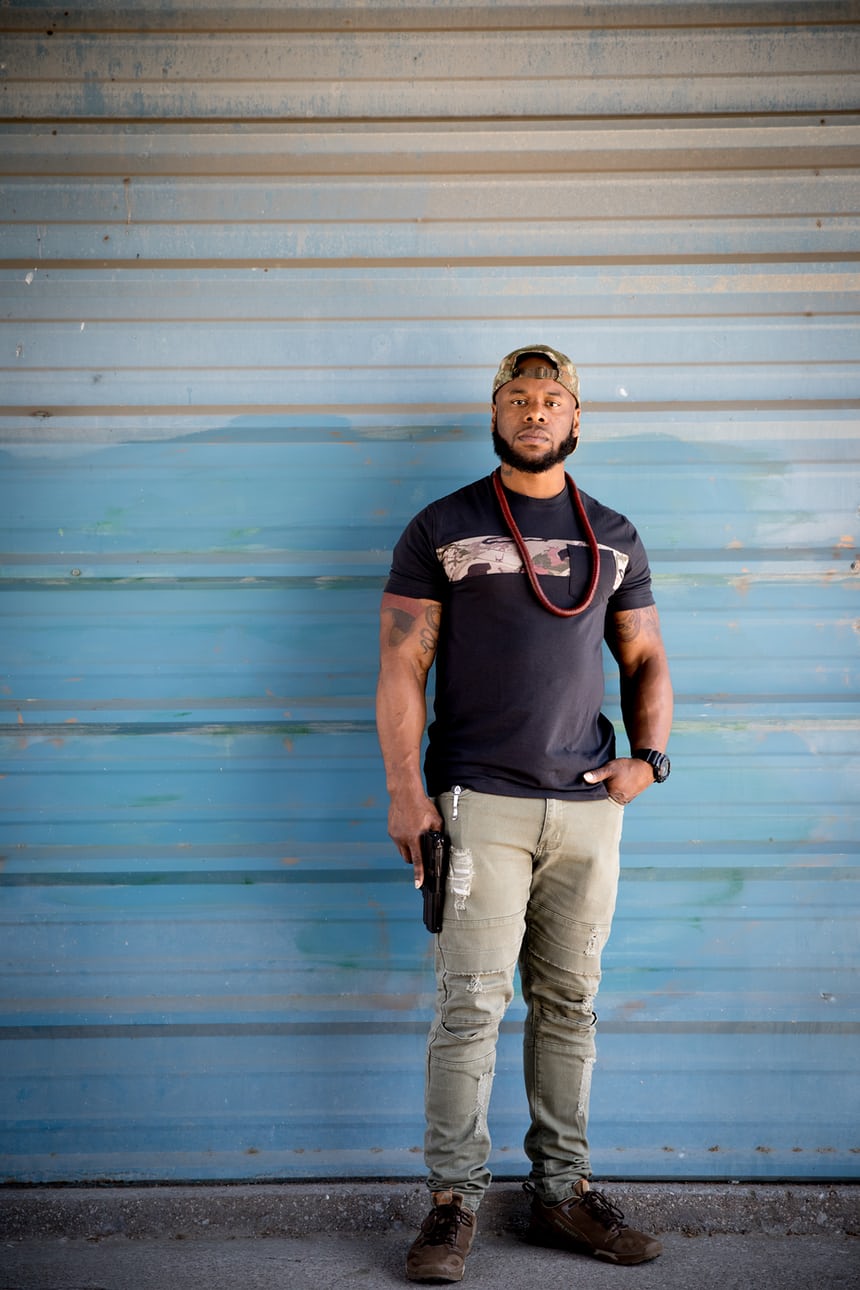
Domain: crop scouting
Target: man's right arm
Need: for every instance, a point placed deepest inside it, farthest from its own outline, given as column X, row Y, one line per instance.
column 409, row 634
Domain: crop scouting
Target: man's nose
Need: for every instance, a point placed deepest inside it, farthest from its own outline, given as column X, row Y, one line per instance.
column 535, row 414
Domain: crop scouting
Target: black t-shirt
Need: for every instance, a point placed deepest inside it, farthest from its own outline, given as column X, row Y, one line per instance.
column 518, row 690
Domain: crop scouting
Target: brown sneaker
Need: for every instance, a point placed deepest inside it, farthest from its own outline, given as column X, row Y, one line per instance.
column 439, row 1251
column 589, row 1223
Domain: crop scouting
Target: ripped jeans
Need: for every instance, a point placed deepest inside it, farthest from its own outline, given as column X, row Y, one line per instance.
column 532, row 882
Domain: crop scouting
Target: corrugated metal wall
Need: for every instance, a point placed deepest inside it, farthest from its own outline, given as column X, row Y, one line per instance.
column 259, row 263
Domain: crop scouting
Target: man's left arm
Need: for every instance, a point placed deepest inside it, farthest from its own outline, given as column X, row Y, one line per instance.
column 633, row 635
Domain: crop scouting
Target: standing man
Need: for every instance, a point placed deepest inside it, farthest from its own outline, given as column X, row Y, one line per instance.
column 511, row 585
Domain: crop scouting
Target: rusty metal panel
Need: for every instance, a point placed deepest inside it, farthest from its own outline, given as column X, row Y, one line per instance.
column 258, row 264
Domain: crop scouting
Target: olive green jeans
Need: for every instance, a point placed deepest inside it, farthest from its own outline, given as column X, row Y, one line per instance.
column 532, row 882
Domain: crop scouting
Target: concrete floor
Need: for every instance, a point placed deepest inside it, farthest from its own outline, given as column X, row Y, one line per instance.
column 373, row 1261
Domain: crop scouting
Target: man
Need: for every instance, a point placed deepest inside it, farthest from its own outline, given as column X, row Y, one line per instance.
column 511, row 585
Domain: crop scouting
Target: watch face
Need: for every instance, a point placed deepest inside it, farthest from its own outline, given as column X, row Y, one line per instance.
column 658, row 762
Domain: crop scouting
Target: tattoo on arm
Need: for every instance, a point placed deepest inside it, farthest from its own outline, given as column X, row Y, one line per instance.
column 403, row 624
column 430, row 630
column 632, row 623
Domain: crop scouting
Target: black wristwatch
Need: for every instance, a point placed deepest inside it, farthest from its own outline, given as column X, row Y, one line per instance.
column 658, row 762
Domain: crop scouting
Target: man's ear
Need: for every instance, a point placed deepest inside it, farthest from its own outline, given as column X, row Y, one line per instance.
column 492, row 416
column 574, row 429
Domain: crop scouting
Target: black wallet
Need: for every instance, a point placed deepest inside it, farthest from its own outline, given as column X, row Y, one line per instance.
column 435, row 849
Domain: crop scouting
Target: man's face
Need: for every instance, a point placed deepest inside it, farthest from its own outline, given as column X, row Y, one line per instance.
column 535, row 421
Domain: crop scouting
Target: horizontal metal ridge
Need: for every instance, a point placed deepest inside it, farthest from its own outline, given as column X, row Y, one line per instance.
column 226, row 1029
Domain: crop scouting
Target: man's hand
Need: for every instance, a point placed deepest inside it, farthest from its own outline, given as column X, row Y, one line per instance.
column 624, row 778
column 408, row 818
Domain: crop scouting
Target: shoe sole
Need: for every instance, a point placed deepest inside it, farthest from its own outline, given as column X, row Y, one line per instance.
column 439, row 1279
column 558, row 1241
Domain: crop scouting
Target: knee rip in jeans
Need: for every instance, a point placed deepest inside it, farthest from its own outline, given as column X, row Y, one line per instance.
column 460, row 876
column 474, row 980
column 482, row 1102
column 494, row 982
column 579, row 1013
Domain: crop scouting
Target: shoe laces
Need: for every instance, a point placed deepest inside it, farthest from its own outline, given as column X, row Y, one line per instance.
column 602, row 1210
column 444, row 1222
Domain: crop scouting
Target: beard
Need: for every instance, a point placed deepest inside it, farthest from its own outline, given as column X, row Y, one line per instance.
column 533, row 465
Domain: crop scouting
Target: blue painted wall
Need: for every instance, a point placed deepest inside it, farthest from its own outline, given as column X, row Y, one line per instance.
column 244, row 336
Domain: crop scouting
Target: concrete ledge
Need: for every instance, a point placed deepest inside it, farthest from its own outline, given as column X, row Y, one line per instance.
column 299, row 1209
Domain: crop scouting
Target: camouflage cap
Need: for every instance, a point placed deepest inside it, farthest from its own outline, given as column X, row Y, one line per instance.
column 562, row 371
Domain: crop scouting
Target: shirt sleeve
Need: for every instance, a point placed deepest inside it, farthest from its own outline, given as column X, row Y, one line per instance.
column 635, row 589
column 416, row 570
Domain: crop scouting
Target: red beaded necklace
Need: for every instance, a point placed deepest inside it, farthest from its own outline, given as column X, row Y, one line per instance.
column 528, row 563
